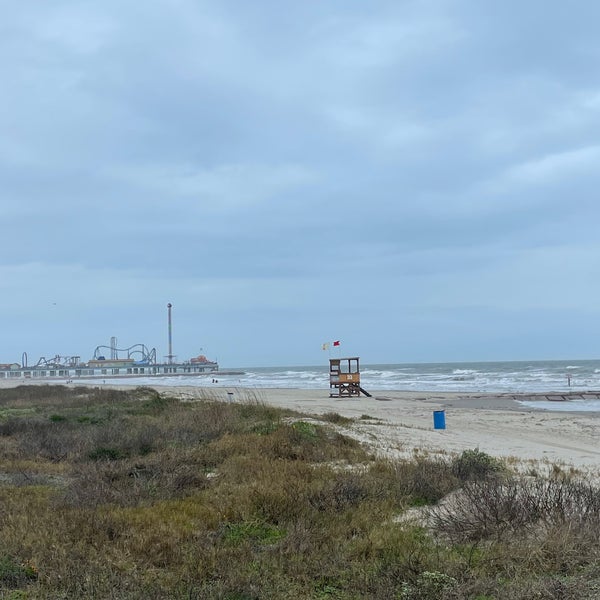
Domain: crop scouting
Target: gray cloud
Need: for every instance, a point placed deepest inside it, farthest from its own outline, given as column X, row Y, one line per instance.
column 417, row 178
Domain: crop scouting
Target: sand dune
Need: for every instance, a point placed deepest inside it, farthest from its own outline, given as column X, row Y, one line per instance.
column 401, row 423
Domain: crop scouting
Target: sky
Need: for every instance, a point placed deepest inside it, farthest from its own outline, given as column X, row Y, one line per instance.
column 417, row 179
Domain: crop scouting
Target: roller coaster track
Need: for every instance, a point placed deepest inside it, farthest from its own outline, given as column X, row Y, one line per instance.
column 146, row 355
column 56, row 361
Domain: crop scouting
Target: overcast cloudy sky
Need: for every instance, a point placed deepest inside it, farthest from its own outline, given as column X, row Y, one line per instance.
column 418, row 179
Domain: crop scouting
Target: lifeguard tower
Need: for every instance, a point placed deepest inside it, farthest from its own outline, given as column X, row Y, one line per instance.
column 344, row 378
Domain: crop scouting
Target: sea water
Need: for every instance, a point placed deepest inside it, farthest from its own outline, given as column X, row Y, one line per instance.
column 516, row 377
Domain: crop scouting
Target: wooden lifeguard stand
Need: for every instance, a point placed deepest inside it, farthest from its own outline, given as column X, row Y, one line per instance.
column 344, row 378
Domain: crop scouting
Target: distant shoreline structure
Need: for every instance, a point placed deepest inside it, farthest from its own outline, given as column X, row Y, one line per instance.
column 139, row 361
column 100, row 367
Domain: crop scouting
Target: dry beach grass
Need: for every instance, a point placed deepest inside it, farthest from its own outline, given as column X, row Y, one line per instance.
column 183, row 493
column 397, row 423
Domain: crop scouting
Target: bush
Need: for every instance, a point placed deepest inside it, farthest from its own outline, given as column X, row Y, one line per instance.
column 14, row 573
column 113, row 479
column 52, row 440
column 57, row 418
column 489, row 508
column 103, row 453
column 341, row 492
column 336, row 418
column 252, row 531
column 474, row 465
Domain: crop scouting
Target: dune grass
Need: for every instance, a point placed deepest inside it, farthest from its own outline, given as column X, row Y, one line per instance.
column 108, row 494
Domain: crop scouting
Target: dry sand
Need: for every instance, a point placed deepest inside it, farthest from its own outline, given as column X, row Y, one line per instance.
column 401, row 423
column 397, row 423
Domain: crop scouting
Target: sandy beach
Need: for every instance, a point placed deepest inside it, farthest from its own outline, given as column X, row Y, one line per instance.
column 397, row 423
column 401, row 423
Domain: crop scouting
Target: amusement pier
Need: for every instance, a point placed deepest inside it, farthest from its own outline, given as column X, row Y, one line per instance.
column 111, row 361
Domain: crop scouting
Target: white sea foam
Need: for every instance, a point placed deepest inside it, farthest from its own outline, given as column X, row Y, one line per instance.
column 550, row 376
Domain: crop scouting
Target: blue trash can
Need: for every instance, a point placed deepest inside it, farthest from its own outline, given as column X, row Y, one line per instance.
column 439, row 419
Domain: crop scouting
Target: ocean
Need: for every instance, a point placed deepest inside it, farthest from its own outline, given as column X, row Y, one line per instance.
column 530, row 376
column 525, row 376
column 490, row 377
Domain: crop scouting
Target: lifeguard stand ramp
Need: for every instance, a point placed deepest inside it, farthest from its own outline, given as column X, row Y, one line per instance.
column 344, row 378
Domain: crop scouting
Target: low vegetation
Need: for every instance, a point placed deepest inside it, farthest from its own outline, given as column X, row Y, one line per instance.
column 131, row 495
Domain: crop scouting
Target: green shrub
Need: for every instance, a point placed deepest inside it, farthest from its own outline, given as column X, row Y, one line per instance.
column 305, row 431
column 14, row 573
column 336, row 418
column 252, row 531
column 102, row 453
column 57, row 418
column 88, row 419
column 474, row 465
column 154, row 403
